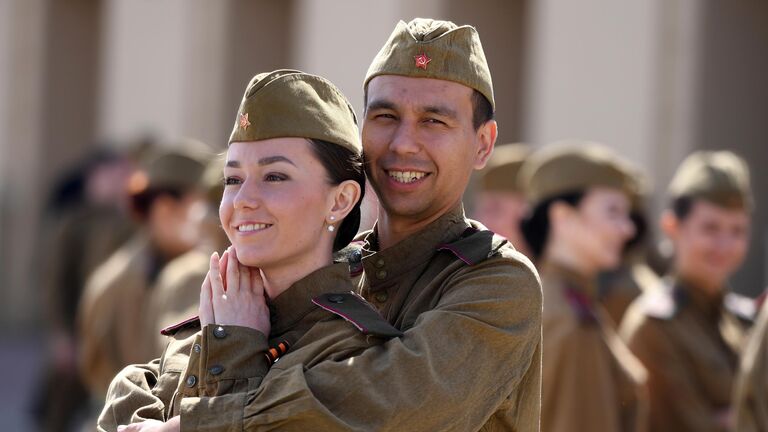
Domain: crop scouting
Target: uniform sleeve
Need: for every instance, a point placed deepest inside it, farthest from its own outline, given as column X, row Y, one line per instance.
column 477, row 349
column 131, row 398
column 675, row 403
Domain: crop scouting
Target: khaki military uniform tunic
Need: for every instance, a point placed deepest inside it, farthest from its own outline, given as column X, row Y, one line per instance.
column 111, row 326
column 176, row 294
column 219, row 360
column 470, row 357
column 618, row 289
column 592, row 383
column 750, row 403
column 689, row 343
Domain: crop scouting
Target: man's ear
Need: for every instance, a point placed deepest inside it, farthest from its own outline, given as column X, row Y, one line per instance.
column 486, row 138
column 343, row 198
column 669, row 224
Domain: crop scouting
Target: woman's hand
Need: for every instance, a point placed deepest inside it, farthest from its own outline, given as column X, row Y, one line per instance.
column 233, row 294
column 172, row 425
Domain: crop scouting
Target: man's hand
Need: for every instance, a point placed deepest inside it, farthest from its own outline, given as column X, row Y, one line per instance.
column 172, row 425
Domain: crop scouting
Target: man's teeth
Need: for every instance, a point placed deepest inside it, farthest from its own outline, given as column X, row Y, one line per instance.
column 251, row 227
column 406, row 176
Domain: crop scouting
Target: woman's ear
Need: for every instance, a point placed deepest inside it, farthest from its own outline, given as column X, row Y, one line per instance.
column 669, row 224
column 343, row 198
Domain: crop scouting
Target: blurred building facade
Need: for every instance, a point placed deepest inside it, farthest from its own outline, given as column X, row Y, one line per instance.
column 655, row 80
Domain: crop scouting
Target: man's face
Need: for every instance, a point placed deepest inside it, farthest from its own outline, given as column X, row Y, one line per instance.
column 420, row 145
column 710, row 242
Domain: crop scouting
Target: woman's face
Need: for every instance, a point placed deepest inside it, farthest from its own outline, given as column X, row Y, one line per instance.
column 276, row 203
column 599, row 227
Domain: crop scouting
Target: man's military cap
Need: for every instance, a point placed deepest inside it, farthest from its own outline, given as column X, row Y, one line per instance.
column 501, row 172
column 290, row 103
column 173, row 165
column 574, row 165
column 427, row 48
column 720, row 177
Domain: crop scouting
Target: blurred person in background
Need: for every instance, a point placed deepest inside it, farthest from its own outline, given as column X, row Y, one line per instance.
column 689, row 333
column 581, row 196
column 501, row 204
column 750, row 400
column 176, row 296
column 87, row 220
column 618, row 288
column 168, row 203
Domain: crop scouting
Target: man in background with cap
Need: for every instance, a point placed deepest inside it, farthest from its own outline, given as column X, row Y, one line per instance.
column 166, row 199
column 501, row 203
column 687, row 333
column 468, row 302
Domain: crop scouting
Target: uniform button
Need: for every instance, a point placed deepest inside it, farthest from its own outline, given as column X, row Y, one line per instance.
column 196, row 348
column 380, row 263
column 382, row 297
column 336, row 298
column 219, row 332
column 216, row 370
column 381, row 274
column 191, row 381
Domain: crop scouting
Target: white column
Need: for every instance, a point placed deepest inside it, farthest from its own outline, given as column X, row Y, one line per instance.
column 22, row 48
column 616, row 72
column 162, row 69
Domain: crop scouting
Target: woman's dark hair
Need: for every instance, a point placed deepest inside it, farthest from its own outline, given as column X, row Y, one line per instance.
column 535, row 227
column 641, row 229
column 341, row 165
column 681, row 206
column 141, row 202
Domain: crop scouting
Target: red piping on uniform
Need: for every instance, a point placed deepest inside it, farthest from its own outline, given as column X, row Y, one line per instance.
column 359, row 327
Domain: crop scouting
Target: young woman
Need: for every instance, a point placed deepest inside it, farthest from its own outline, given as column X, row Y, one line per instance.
column 293, row 183
column 581, row 198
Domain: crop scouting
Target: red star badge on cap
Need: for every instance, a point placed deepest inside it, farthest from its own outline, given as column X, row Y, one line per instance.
column 422, row 60
column 244, row 123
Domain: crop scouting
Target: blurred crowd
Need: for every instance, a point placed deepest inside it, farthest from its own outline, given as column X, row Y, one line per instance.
column 658, row 335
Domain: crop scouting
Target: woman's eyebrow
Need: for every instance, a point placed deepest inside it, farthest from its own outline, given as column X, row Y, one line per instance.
column 274, row 159
column 263, row 161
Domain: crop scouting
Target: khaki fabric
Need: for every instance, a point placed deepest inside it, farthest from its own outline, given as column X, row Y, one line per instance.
column 229, row 360
column 290, row 103
column 573, row 166
column 720, row 177
column 427, row 48
column 619, row 288
column 591, row 382
column 176, row 295
column 470, row 357
column 690, row 345
column 180, row 166
column 112, row 332
column 750, row 401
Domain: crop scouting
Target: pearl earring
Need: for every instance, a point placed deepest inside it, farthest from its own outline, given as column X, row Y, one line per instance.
column 330, row 227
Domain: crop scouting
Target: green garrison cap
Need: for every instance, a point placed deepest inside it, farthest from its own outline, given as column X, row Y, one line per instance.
column 575, row 165
column 212, row 180
column 175, row 165
column 290, row 103
column 427, row 48
column 720, row 177
column 500, row 174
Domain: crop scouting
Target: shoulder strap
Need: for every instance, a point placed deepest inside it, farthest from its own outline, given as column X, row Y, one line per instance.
column 358, row 312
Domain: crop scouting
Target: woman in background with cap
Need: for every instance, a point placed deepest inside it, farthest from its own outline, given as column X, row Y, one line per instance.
column 293, row 183
column 581, row 193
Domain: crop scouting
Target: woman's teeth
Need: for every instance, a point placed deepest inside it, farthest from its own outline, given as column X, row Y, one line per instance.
column 251, row 227
column 406, row 176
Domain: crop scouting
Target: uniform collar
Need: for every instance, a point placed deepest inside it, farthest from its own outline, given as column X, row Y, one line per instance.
column 385, row 265
column 293, row 304
column 686, row 294
column 584, row 287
